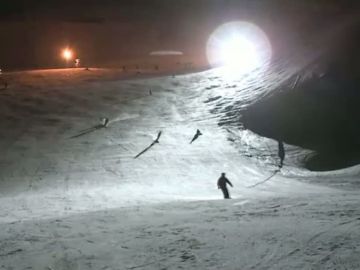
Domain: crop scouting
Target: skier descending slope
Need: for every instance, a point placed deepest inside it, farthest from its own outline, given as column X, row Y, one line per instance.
column 104, row 121
column 281, row 153
column 151, row 145
column 197, row 134
column 222, row 185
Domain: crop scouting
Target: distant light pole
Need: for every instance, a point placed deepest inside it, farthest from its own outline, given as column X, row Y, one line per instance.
column 67, row 54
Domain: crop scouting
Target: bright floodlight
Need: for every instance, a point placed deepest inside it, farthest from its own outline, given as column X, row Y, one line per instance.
column 238, row 46
column 67, row 54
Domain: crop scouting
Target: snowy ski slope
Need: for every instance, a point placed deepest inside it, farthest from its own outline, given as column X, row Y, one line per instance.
column 87, row 203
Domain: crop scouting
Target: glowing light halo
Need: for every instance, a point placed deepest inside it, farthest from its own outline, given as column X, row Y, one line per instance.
column 67, row 54
column 240, row 47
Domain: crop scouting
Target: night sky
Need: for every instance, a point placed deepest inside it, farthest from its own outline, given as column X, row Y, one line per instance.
column 113, row 32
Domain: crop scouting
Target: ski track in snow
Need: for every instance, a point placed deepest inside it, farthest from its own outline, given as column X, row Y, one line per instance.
column 85, row 203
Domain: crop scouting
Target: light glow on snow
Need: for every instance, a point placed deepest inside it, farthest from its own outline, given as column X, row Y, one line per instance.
column 238, row 47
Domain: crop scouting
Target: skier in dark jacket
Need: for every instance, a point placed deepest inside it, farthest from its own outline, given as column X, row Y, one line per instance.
column 104, row 122
column 281, row 153
column 222, row 185
column 197, row 134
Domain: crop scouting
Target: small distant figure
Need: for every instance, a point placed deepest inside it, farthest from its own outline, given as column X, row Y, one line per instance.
column 151, row 145
column 150, row 93
column 222, row 185
column 158, row 137
column 156, row 67
column 77, row 62
column 87, row 69
column 124, row 68
column 281, row 153
column 197, row 134
column 105, row 122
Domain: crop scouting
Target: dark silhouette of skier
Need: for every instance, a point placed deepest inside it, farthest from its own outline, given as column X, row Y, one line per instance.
column 105, row 121
column 150, row 92
column 222, row 185
column 158, row 137
column 197, row 134
column 281, row 153
column 151, row 145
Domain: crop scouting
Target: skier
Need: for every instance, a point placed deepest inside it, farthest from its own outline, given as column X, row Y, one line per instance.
column 77, row 62
column 222, row 185
column 197, row 134
column 151, row 145
column 104, row 122
column 281, row 153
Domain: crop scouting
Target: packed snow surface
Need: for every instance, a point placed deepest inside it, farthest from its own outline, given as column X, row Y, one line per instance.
column 74, row 197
